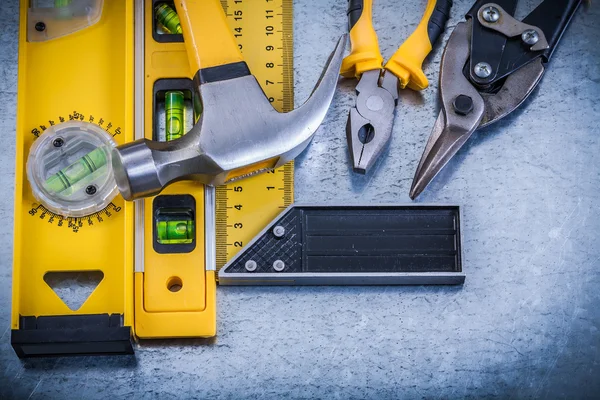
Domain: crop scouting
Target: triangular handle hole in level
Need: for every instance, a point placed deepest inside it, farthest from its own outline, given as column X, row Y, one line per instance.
column 73, row 287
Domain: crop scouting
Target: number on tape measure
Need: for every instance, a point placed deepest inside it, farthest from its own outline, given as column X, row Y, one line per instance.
column 263, row 31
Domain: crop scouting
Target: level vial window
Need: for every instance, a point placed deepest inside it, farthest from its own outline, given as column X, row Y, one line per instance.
column 167, row 20
column 174, row 224
column 166, row 25
column 176, row 110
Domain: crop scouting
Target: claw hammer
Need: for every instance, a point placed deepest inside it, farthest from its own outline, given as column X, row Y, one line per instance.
column 239, row 133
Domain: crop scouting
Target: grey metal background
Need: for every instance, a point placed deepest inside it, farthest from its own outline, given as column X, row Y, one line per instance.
column 525, row 324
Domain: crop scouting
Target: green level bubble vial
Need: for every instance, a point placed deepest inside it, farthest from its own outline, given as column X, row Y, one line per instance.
column 175, row 232
column 174, row 110
column 168, row 18
column 76, row 172
column 61, row 3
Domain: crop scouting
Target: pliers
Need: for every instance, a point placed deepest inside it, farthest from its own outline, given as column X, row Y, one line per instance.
column 491, row 64
column 370, row 122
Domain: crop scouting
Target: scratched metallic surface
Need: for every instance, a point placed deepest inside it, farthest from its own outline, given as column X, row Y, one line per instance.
column 525, row 324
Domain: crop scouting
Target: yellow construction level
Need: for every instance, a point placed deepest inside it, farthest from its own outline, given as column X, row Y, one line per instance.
column 175, row 292
column 69, row 71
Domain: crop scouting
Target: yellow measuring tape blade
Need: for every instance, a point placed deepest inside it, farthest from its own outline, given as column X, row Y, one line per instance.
column 264, row 32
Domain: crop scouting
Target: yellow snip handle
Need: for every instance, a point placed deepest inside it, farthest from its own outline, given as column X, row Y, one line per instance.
column 208, row 40
column 407, row 62
column 365, row 54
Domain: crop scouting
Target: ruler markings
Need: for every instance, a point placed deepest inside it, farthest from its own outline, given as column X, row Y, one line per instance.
column 265, row 37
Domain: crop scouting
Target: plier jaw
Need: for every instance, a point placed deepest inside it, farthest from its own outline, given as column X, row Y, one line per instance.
column 370, row 122
column 476, row 93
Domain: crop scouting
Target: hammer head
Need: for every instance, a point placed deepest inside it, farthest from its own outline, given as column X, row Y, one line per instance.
column 238, row 134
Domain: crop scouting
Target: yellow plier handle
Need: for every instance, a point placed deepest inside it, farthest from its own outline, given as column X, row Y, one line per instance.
column 364, row 54
column 407, row 62
column 212, row 50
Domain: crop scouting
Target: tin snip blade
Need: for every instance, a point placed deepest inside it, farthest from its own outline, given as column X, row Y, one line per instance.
column 491, row 64
column 370, row 122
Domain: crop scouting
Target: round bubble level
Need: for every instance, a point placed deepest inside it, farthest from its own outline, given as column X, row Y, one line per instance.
column 70, row 170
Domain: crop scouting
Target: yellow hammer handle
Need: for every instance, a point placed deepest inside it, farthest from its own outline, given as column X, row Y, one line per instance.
column 364, row 54
column 208, row 39
column 407, row 62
